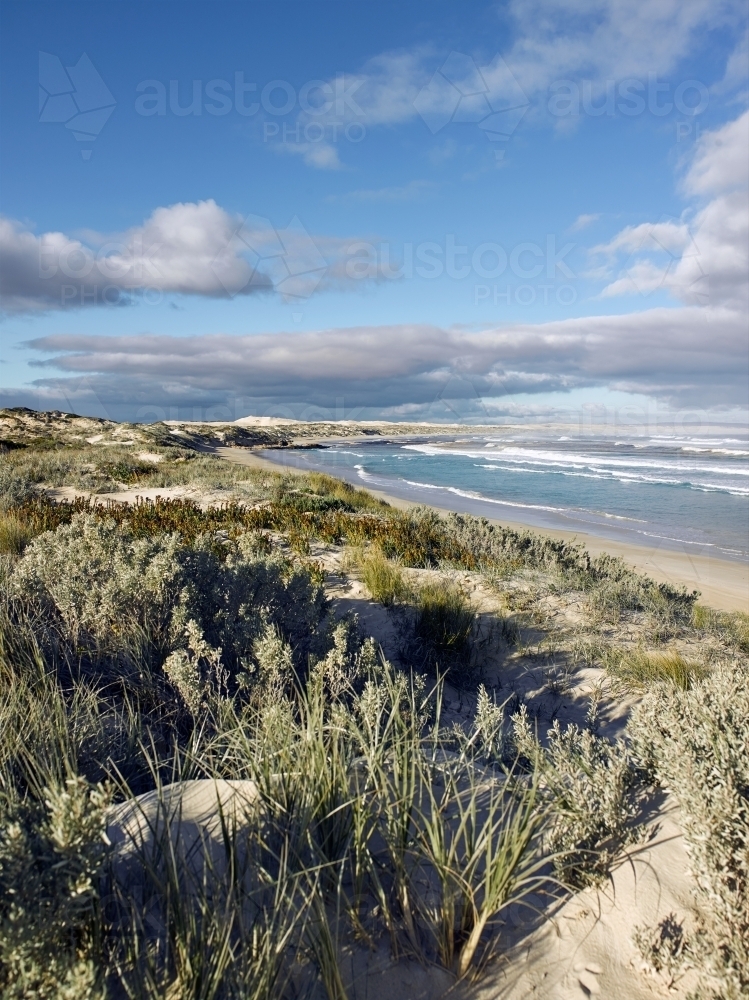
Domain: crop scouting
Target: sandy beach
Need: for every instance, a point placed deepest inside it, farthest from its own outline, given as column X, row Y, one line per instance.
column 723, row 584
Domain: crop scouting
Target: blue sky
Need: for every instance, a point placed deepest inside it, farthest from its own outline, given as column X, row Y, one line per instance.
column 495, row 211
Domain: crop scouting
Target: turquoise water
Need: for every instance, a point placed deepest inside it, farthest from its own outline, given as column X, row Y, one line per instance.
column 684, row 493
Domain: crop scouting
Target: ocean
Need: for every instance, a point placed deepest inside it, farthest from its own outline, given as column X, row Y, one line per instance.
column 686, row 493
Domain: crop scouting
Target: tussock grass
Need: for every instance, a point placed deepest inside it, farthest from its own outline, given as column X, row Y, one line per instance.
column 732, row 627
column 443, row 622
column 350, row 814
column 15, row 534
column 383, row 578
column 644, row 668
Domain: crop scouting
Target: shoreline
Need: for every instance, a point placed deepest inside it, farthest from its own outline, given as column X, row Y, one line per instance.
column 723, row 583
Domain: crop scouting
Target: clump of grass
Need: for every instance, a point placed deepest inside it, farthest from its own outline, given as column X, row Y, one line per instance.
column 644, row 668
column 732, row 627
column 383, row 578
column 15, row 534
column 443, row 621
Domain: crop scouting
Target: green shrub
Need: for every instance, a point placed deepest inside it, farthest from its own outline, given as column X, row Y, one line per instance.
column 100, row 589
column 98, row 586
column 15, row 487
column 52, row 852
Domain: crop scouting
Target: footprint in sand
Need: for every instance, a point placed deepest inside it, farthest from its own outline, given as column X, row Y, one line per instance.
column 587, row 978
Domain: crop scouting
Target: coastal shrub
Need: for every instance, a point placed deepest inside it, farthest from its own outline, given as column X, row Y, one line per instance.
column 191, row 670
column 664, row 948
column 495, row 545
column 235, row 596
column 588, row 782
column 100, row 589
column 98, row 586
column 349, row 661
column 52, row 852
column 613, row 587
column 695, row 743
column 15, row 487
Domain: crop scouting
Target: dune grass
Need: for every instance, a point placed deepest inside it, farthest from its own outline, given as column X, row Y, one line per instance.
column 349, row 818
column 15, row 534
column 443, row 622
column 643, row 668
column 383, row 578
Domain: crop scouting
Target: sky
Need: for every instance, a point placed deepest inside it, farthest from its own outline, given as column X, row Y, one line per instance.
column 476, row 212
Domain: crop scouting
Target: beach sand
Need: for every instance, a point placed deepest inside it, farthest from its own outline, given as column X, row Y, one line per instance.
column 723, row 584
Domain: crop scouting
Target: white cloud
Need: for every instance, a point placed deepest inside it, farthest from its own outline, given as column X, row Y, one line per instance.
column 320, row 154
column 597, row 40
column 707, row 258
column 736, row 75
column 187, row 249
column 608, row 39
column 721, row 162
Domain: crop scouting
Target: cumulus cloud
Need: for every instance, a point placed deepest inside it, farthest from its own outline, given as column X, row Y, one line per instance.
column 703, row 257
column 187, row 249
column 683, row 355
column 721, row 162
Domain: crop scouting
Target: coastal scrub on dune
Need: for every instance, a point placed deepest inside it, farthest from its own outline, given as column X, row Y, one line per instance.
column 213, row 778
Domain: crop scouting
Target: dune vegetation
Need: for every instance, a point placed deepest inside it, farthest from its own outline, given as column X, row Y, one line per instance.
column 156, row 649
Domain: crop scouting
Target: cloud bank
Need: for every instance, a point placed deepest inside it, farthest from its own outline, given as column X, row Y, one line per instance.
column 689, row 356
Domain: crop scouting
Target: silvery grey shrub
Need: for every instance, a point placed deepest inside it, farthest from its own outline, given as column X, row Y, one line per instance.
column 696, row 743
column 588, row 780
column 15, row 487
column 95, row 586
